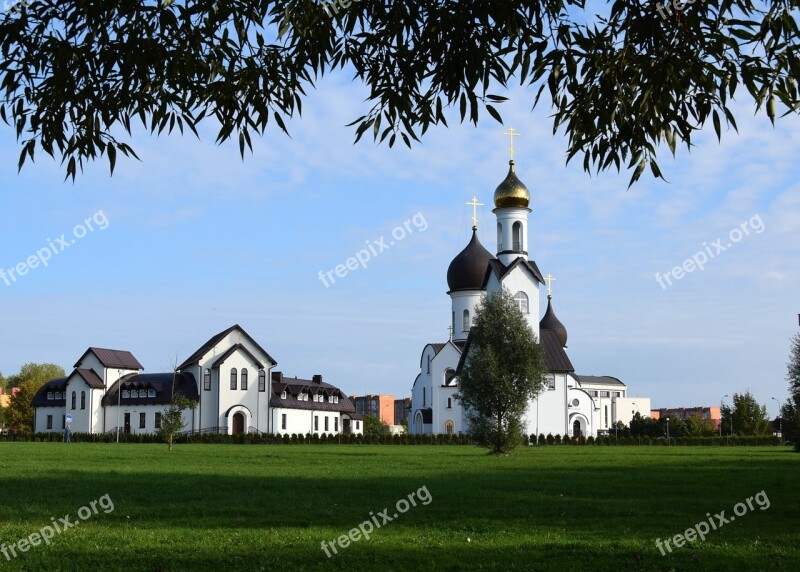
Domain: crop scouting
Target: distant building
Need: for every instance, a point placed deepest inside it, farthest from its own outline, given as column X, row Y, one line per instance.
column 402, row 407
column 682, row 413
column 5, row 395
column 380, row 406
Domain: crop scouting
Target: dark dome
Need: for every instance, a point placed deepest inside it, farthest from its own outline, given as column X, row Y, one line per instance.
column 468, row 268
column 550, row 322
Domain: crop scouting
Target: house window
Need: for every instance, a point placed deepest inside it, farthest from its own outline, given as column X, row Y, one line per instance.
column 74, row 397
column 157, row 420
column 59, row 395
column 358, row 425
column 283, row 394
column 244, row 379
column 617, row 394
column 516, row 232
column 151, row 393
column 449, row 402
column 521, row 298
column 316, row 422
column 326, row 423
column 551, row 382
column 233, row 378
column 606, row 412
column 603, row 394
column 50, row 395
column 83, row 400
column 465, row 321
column 63, row 421
column 262, row 380
column 125, row 394
column 207, row 380
column 49, row 421
column 448, row 427
column 142, row 420
column 336, row 424
column 283, row 420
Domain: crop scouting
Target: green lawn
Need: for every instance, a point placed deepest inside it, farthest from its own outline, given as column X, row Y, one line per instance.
column 229, row 507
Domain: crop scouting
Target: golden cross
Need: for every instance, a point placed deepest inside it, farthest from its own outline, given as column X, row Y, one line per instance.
column 550, row 281
column 511, row 134
column 450, row 331
column 475, row 204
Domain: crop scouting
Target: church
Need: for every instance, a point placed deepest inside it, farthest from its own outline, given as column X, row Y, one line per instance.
column 230, row 378
column 570, row 404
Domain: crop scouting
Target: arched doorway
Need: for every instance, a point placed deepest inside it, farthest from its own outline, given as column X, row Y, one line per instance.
column 238, row 423
column 576, row 428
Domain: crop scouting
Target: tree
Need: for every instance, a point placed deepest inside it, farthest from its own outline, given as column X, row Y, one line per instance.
column 504, row 369
column 18, row 416
column 622, row 80
column 172, row 418
column 789, row 422
column 792, row 414
column 40, row 373
column 696, row 426
column 374, row 427
column 645, row 426
column 2, row 381
column 748, row 417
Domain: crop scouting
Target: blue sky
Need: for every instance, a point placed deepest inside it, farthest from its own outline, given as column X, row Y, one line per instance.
column 198, row 239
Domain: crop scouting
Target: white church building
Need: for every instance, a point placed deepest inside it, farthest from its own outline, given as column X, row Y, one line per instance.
column 570, row 404
column 230, row 378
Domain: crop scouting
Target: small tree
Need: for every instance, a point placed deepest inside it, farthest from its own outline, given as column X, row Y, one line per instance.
column 748, row 416
column 374, row 427
column 696, row 426
column 503, row 371
column 18, row 416
column 172, row 418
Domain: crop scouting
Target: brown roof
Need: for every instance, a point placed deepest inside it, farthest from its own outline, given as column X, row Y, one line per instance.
column 185, row 383
column 294, row 386
column 209, row 345
column 112, row 358
column 557, row 358
column 91, row 378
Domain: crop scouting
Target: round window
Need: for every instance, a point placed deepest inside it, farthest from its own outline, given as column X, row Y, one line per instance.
column 575, row 402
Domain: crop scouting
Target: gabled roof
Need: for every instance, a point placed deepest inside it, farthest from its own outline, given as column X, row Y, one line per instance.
column 231, row 351
column 162, row 384
column 90, row 377
column 112, row 358
column 500, row 270
column 209, row 345
column 437, row 348
column 599, row 380
column 40, row 399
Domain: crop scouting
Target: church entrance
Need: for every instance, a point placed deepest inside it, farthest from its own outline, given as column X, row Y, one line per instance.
column 576, row 429
column 238, row 423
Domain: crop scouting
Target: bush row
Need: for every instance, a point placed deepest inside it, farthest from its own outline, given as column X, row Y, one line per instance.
column 685, row 441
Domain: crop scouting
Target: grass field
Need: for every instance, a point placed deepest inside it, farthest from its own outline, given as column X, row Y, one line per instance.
column 228, row 507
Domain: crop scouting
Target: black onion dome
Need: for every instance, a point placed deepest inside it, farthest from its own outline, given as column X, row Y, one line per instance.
column 468, row 268
column 550, row 322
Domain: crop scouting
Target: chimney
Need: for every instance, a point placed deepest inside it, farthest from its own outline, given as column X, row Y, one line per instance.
column 277, row 376
column 317, row 378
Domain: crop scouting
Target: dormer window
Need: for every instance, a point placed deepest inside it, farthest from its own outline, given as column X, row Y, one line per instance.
column 49, row 395
column 126, row 394
column 151, row 393
column 283, row 394
column 58, row 395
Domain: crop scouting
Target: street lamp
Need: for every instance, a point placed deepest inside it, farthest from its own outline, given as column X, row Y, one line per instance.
column 780, row 413
column 667, row 430
column 721, row 405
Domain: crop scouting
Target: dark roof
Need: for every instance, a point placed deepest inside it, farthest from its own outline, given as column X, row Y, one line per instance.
column 40, row 399
column 162, row 384
column 468, row 268
column 557, row 359
column 599, row 379
column 550, row 322
column 294, row 386
column 209, row 345
column 90, row 377
column 500, row 269
column 231, row 350
column 113, row 358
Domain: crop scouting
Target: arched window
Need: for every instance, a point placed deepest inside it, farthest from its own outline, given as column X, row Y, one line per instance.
column 449, row 376
column 576, row 429
column 449, row 402
column 207, row 380
column 449, row 426
column 83, row 400
column 429, row 364
column 521, row 298
column 516, row 232
column 465, row 326
column 424, row 396
column 244, row 378
column 74, row 397
column 499, row 237
column 262, row 380
column 233, row 378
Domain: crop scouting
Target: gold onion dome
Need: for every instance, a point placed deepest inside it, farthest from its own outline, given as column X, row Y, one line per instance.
column 511, row 192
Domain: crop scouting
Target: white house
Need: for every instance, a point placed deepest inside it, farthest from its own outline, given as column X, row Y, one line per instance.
column 229, row 377
column 570, row 404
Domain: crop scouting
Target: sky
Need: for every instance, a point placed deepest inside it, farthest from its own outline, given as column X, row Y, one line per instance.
column 193, row 239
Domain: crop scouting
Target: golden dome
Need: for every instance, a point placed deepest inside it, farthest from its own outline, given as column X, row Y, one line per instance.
column 511, row 192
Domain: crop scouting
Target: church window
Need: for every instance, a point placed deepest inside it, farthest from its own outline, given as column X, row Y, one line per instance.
column 63, row 421
column 83, row 400
column 49, row 421
column 151, row 393
column 429, row 364
column 449, row 402
column 575, row 402
column 126, row 394
column 142, row 420
column 283, row 421
column 74, row 397
column 465, row 325
column 244, row 379
column 448, row 427
column 521, row 298
column 157, row 420
column 233, row 378
column 516, row 231
column 423, row 396
column 499, row 237
column 262, row 380
column 207, row 380
column 454, row 322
